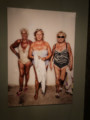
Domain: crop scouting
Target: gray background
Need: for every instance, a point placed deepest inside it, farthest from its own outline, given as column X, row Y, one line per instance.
column 72, row 111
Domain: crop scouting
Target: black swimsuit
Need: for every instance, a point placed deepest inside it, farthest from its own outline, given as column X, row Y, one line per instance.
column 61, row 59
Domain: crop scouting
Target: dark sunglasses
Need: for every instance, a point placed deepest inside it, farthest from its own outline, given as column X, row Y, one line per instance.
column 60, row 36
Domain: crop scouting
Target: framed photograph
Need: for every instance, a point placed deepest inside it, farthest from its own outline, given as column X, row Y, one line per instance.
column 41, row 46
column 23, row 22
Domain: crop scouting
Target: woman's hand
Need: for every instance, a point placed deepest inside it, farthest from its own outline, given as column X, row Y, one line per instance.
column 70, row 67
column 51, row 65
column 43, row 58
column 17, row 54
column 39, row 57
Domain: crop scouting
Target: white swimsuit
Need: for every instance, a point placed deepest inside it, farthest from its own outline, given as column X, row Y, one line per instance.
column 41, row 53
column 23, row 54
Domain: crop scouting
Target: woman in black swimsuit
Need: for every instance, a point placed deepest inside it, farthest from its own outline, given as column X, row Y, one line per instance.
column 62, row 58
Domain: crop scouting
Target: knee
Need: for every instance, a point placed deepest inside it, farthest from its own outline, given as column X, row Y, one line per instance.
column 62, row 78
column 26, row 72
column 21, row 74
column 57, row 77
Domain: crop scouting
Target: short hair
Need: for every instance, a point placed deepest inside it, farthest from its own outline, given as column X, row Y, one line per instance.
column 37, row 30
column 23, row 30
column 62, row 32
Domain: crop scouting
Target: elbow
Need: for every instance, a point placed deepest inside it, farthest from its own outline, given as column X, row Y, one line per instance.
column 11, row 47
column 49, row 56
column 29, row 56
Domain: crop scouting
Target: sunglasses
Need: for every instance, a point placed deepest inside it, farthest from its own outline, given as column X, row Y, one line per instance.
column 60, row 37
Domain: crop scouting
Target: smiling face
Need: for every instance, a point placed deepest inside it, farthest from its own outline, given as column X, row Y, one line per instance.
column 61, row 37
column 24, row 34
column 39, row 36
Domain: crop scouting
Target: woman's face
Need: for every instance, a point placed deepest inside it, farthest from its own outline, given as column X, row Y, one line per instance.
column 24, row 35
column 39, row 36
column 60, row 38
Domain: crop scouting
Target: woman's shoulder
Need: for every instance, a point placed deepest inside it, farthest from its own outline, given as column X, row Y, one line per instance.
column 33, row 43
column 46, row 43
column 30, row 42
column 54, row 46
column 67, row 44
column 18, row 41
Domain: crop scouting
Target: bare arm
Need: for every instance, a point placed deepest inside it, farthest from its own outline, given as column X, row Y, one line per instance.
column 52, row 57
column 70, row 56
column 30, row 52
column 15, row 45
column 53, row 51
column 30, row 42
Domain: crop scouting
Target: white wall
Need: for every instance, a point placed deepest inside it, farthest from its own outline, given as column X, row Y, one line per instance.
column 50, row 21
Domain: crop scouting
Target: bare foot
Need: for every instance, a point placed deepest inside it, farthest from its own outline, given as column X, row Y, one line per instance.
column 19, row 93
column 36, row 96
column 60, row 89
column 25, row 89
column 57, row 95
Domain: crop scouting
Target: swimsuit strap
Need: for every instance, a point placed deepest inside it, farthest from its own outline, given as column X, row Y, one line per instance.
column 54, row 49
column 55, row 45
column 67, row 46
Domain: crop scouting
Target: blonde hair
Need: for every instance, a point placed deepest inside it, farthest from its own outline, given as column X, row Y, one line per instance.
column 62, row 33
column 23, row 30
column 37, row 30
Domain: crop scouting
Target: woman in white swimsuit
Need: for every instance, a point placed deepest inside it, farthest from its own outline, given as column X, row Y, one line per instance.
column 24, row 62
column 42, row 49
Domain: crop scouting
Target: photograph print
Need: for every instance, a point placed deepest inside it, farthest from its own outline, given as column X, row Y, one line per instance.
column 40, row 57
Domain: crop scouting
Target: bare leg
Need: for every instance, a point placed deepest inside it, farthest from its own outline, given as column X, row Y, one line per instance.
column 62, row 77
column 57, row 74
column 27, row 68
column 36, row 85
column 21, row 76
